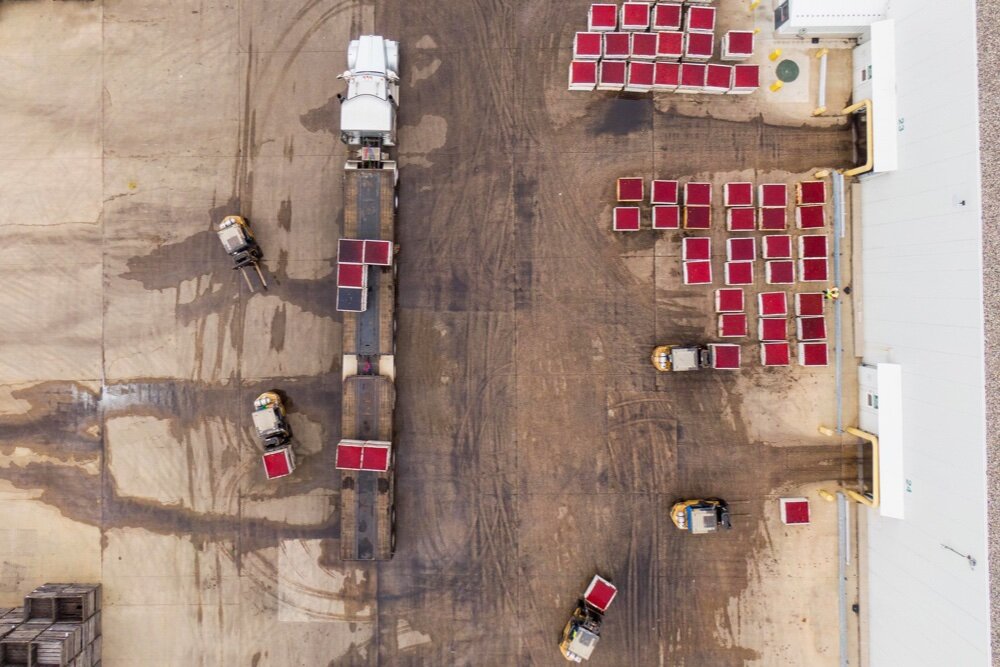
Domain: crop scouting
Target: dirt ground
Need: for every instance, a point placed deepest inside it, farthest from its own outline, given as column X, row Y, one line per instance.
column 536, row 444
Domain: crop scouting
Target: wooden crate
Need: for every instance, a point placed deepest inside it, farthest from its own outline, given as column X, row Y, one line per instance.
column 76, row 603
column 15, row 615
column 91, row 628
column 95, row 650
column 59, row 644
column 17, row 649
column 40, row 605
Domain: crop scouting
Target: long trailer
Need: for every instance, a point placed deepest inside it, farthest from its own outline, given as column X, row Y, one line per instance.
column 366, row 295
column 365, row 460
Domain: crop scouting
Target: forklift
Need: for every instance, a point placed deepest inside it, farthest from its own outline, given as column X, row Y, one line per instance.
column 583, row 631
column 237, row 239
column 666, row 358
column 271, row 423
column 701, row 516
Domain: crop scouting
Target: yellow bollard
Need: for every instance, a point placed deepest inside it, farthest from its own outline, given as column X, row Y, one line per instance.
column 776, row 86
column 774, row 55
column 826, row 495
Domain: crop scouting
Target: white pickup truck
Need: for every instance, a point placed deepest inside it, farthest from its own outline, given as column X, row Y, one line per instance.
column 368, row 111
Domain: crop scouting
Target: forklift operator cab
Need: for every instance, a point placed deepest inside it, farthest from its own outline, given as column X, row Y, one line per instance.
column 701, row 516
column 238, row 240
column 269, row 420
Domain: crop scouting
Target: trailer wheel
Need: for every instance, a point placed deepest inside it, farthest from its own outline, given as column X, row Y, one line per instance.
column 392, row 530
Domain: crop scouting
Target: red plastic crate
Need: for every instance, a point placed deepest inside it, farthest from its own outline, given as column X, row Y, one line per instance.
column 737, row 194
column 644, row 46
column 635, row 16
column 718, row 78
column 669, row 45
column 773, row 195
column 810, row 328
column 666, row 76
column 617, row 45
column 746, row 79
column 739, row 273
column 813, row 246
column 666, row 217
column 697, row 194
column 698, row 273
column 600, row 593
column 810, row 192
column 697, row 217
column 737, row 45
column 777, row 246
column 692, row 77
column 640, row 77
column 772, row 328
column 725, row 357
column 772, row 219
column 352, row 275
column 696, row 247
column 775, row 353
column 664, row 192
column 741, row 249
column 779, row 272
column 378, row 253
column 810, row 217
column 700, row 19
column 772, row 304
column 582, row 75
column 603, row 17
column 729, row 300
column 667, row 16
column 814, row 270
column 732, row 325
column 588, row 45
column 351, row 251
column 741, row 219
column 794, row 511
column 626, row 219
column 699, row 46
column 809, row 304
column 630, row 188
column 611, row 75
column 813, row 354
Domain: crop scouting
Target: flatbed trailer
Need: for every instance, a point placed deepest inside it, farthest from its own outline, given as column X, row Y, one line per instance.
column 364, row 455
column 365, row 460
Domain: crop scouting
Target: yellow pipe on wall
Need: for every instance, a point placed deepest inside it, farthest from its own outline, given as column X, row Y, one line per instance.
column 870, row 162
column 873, row 440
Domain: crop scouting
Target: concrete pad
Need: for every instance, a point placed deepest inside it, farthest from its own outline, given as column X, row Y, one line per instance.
column 202, row 118
column 194, row 468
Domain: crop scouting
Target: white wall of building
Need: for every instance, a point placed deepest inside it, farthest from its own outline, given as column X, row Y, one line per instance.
column 922, row 309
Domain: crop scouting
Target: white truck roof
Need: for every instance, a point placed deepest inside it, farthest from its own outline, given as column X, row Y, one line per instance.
column 365, row 108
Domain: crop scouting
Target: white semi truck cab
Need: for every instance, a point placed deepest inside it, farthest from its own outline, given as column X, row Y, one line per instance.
column 368, row 110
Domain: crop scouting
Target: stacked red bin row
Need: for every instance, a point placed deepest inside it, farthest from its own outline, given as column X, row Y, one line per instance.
column 748, row 209
column 641, row 47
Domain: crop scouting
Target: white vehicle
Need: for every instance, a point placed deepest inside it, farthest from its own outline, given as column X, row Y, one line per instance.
column 368, row 111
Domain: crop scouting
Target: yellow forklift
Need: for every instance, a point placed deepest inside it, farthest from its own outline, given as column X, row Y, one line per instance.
column 237, row 239
column 701, row 516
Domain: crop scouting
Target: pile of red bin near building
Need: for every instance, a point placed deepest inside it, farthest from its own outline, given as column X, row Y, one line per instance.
column 763, row 209
column 663, row 46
